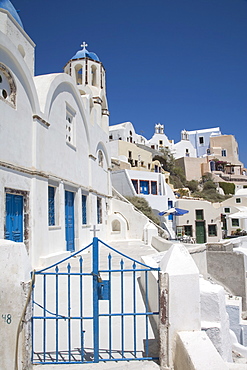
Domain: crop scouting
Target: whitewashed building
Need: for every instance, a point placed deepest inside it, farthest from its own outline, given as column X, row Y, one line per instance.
column 153, row 187
column 54, row 134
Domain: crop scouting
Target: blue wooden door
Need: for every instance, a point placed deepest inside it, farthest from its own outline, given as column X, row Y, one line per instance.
column 14, row 217
column 170, row 205
column 69, row 221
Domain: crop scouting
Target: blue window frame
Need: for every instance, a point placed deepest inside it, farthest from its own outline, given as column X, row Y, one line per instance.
column 51, row 205
column 14, row 217
column 99, row 210
column 84, row 209
column 144, row 187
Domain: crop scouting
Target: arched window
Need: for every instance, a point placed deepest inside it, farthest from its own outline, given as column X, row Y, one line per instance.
column 131, row 136
column 78, row 74
column 100, row 158
column 7, row 86
column 93, row 73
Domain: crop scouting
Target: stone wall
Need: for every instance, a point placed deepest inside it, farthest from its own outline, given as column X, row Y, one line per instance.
column 228, row 268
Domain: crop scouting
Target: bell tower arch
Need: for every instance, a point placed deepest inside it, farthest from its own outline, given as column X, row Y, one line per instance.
column 89, row 75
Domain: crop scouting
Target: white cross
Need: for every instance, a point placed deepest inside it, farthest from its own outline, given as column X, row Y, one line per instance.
column 94, row 230
column 84, row 45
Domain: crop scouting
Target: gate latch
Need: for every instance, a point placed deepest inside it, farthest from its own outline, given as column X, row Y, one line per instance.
column 104, row 289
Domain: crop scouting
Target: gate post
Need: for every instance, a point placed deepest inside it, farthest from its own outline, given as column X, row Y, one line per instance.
column 95, row 273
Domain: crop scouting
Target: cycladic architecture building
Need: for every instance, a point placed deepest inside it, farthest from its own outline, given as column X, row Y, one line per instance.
column 54, row 158
column 198, row 151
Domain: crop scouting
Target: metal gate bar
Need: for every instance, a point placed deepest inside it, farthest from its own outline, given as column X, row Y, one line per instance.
column 53, row 318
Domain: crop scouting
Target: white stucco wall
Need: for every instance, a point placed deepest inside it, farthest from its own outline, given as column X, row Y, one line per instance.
column 35, row 153
column 15, row 271
column 215, row 320
column 205, row 133
column 183, row 148
column 181, row 285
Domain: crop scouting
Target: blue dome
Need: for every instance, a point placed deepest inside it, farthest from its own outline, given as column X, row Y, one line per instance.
column 7, row 5
column 84, row 53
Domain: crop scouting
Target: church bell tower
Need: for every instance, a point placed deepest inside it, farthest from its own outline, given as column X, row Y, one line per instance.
column 89, row 75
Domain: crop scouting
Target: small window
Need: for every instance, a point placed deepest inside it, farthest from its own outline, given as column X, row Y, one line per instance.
column 100, row 158
column 212, row 230
column 179, row 231
column 130, row 154
column 238, row 200
column 199, row 214
column 149, row 166
column 161, row 142
column 223, row 152
column 110, row 137
column 99, row 210
column 70, row 134
column 7, row 86
column 201, row 140
column 227, row 210
column 84, row 209
column 135, row 184
column 235, row 222
column 188, row 230
column 51, row 205
column 136, row 163
column 154, row 187
column 144, row 187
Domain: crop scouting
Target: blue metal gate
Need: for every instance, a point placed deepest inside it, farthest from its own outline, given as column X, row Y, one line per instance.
column 94, row 306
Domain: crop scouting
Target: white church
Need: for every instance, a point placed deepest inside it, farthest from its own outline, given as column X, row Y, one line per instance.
column 54, row 156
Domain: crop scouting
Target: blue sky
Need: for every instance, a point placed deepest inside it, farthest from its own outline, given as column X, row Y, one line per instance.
column 182, row 63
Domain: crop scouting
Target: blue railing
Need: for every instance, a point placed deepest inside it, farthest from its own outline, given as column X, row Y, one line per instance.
column 88, row 309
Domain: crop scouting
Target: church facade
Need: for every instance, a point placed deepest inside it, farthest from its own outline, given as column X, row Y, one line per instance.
column 54, row 160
